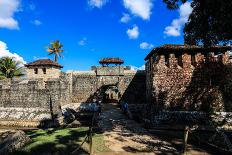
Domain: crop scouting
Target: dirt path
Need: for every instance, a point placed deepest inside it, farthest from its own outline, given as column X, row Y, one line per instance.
column 126, row 136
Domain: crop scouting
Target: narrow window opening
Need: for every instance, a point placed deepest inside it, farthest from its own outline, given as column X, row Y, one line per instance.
column 179, row 59
column 44, row 70
column 193, row 60
column 166, row 59
column 36, row 70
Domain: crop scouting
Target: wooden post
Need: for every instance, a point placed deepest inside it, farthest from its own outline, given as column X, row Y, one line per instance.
column 90, row 142
column 186, row 132
column 91, row 134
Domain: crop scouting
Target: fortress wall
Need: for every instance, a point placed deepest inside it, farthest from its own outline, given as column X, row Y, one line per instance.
column 51, row 72
column 190, row 81
column 133, row 87
column 83, row 86
column 89, row 85
column 31, row 101
column 24, row 94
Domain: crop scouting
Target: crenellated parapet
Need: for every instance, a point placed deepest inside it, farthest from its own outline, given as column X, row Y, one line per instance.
column 178, row 76
column 187, row 60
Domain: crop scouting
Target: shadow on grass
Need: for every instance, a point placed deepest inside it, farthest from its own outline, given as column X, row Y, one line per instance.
column 53, row 142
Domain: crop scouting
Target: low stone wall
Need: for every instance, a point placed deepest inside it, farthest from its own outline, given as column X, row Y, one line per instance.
column 175, row 119
column 24, row 117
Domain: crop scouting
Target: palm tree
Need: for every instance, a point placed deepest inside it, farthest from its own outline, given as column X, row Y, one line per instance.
column 9, row 68
column 56, row 49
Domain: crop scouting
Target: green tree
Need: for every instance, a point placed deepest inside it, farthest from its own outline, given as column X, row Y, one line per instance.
column 210, row 22
column 9, row 68
column 56, row 49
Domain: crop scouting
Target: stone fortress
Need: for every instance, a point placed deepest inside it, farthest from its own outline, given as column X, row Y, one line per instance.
column 39, row 98
column 176, row 78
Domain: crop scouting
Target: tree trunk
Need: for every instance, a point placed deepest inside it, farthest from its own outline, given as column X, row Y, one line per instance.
column 56, row 58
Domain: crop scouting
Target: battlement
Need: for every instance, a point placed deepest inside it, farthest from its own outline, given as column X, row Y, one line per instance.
column 177, row 76
column 187, row 60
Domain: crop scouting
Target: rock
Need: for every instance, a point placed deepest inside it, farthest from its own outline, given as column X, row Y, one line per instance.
column 12, row 140
column 74, row 124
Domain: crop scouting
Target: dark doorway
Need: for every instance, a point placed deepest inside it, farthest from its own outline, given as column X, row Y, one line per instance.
column 110, row 94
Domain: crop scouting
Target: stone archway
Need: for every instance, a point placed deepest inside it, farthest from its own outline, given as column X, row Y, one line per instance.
column 110, row 93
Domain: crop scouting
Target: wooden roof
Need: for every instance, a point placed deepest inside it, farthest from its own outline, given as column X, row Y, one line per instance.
column 111, row 61
column 44, row 62
column 169, row 48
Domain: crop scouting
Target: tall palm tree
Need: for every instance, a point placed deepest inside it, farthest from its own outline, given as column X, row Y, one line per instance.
column 9, row 68
column 56, row 49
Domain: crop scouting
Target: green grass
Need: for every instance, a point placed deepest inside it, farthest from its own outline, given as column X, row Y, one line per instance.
column 61, row 141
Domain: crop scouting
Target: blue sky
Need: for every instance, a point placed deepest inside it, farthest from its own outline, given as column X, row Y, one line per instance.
column 88, row 29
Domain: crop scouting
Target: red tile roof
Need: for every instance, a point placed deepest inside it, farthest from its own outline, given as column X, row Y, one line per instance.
column 44, row 62
column 111, row 61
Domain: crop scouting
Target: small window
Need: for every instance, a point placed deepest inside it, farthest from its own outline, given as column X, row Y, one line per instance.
column 44, row 70
column 193, row 60
column 36, row 70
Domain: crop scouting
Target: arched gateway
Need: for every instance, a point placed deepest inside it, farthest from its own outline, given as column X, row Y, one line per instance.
column 110, row 82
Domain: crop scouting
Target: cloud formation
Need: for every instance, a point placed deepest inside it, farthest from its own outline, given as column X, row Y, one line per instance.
column 133, row 33
column 145, row 45
column 140, row 8
column 125, row 18
column 82, row 42
column 175, row 28
column 97, row 3
column 134, row 68
column 7, row 10
column 36, row 22
column 4, row 52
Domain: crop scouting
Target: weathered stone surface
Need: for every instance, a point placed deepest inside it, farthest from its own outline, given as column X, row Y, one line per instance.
column 89, row 85
column 189, row 81
column 11, row 140
column 32, row 102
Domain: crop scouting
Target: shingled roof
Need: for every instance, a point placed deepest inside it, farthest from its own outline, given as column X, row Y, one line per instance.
column 44, row 62
column 111, row 61
column 167, row 48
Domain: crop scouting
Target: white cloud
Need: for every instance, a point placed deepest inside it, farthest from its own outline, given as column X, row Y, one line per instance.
column 141, row 8
column 175, row 28
column 4, row 52
column 36, row 22
column 133, row 33
column 125, row 18
column 134, row 68
column 145, row 45
column 97, row 3
column 82, row 42
column 7, row 10
column 38, row 58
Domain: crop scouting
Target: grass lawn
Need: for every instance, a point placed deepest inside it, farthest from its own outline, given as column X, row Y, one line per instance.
column 61, row 141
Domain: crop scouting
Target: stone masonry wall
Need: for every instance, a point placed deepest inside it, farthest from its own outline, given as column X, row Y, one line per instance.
column 51, row 72
column 32, row 101
column 89, row 85
column 83, row 86
column 190, row 82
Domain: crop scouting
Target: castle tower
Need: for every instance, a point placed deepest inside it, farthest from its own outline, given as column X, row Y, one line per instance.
column 43, row 69
column 178, row 75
